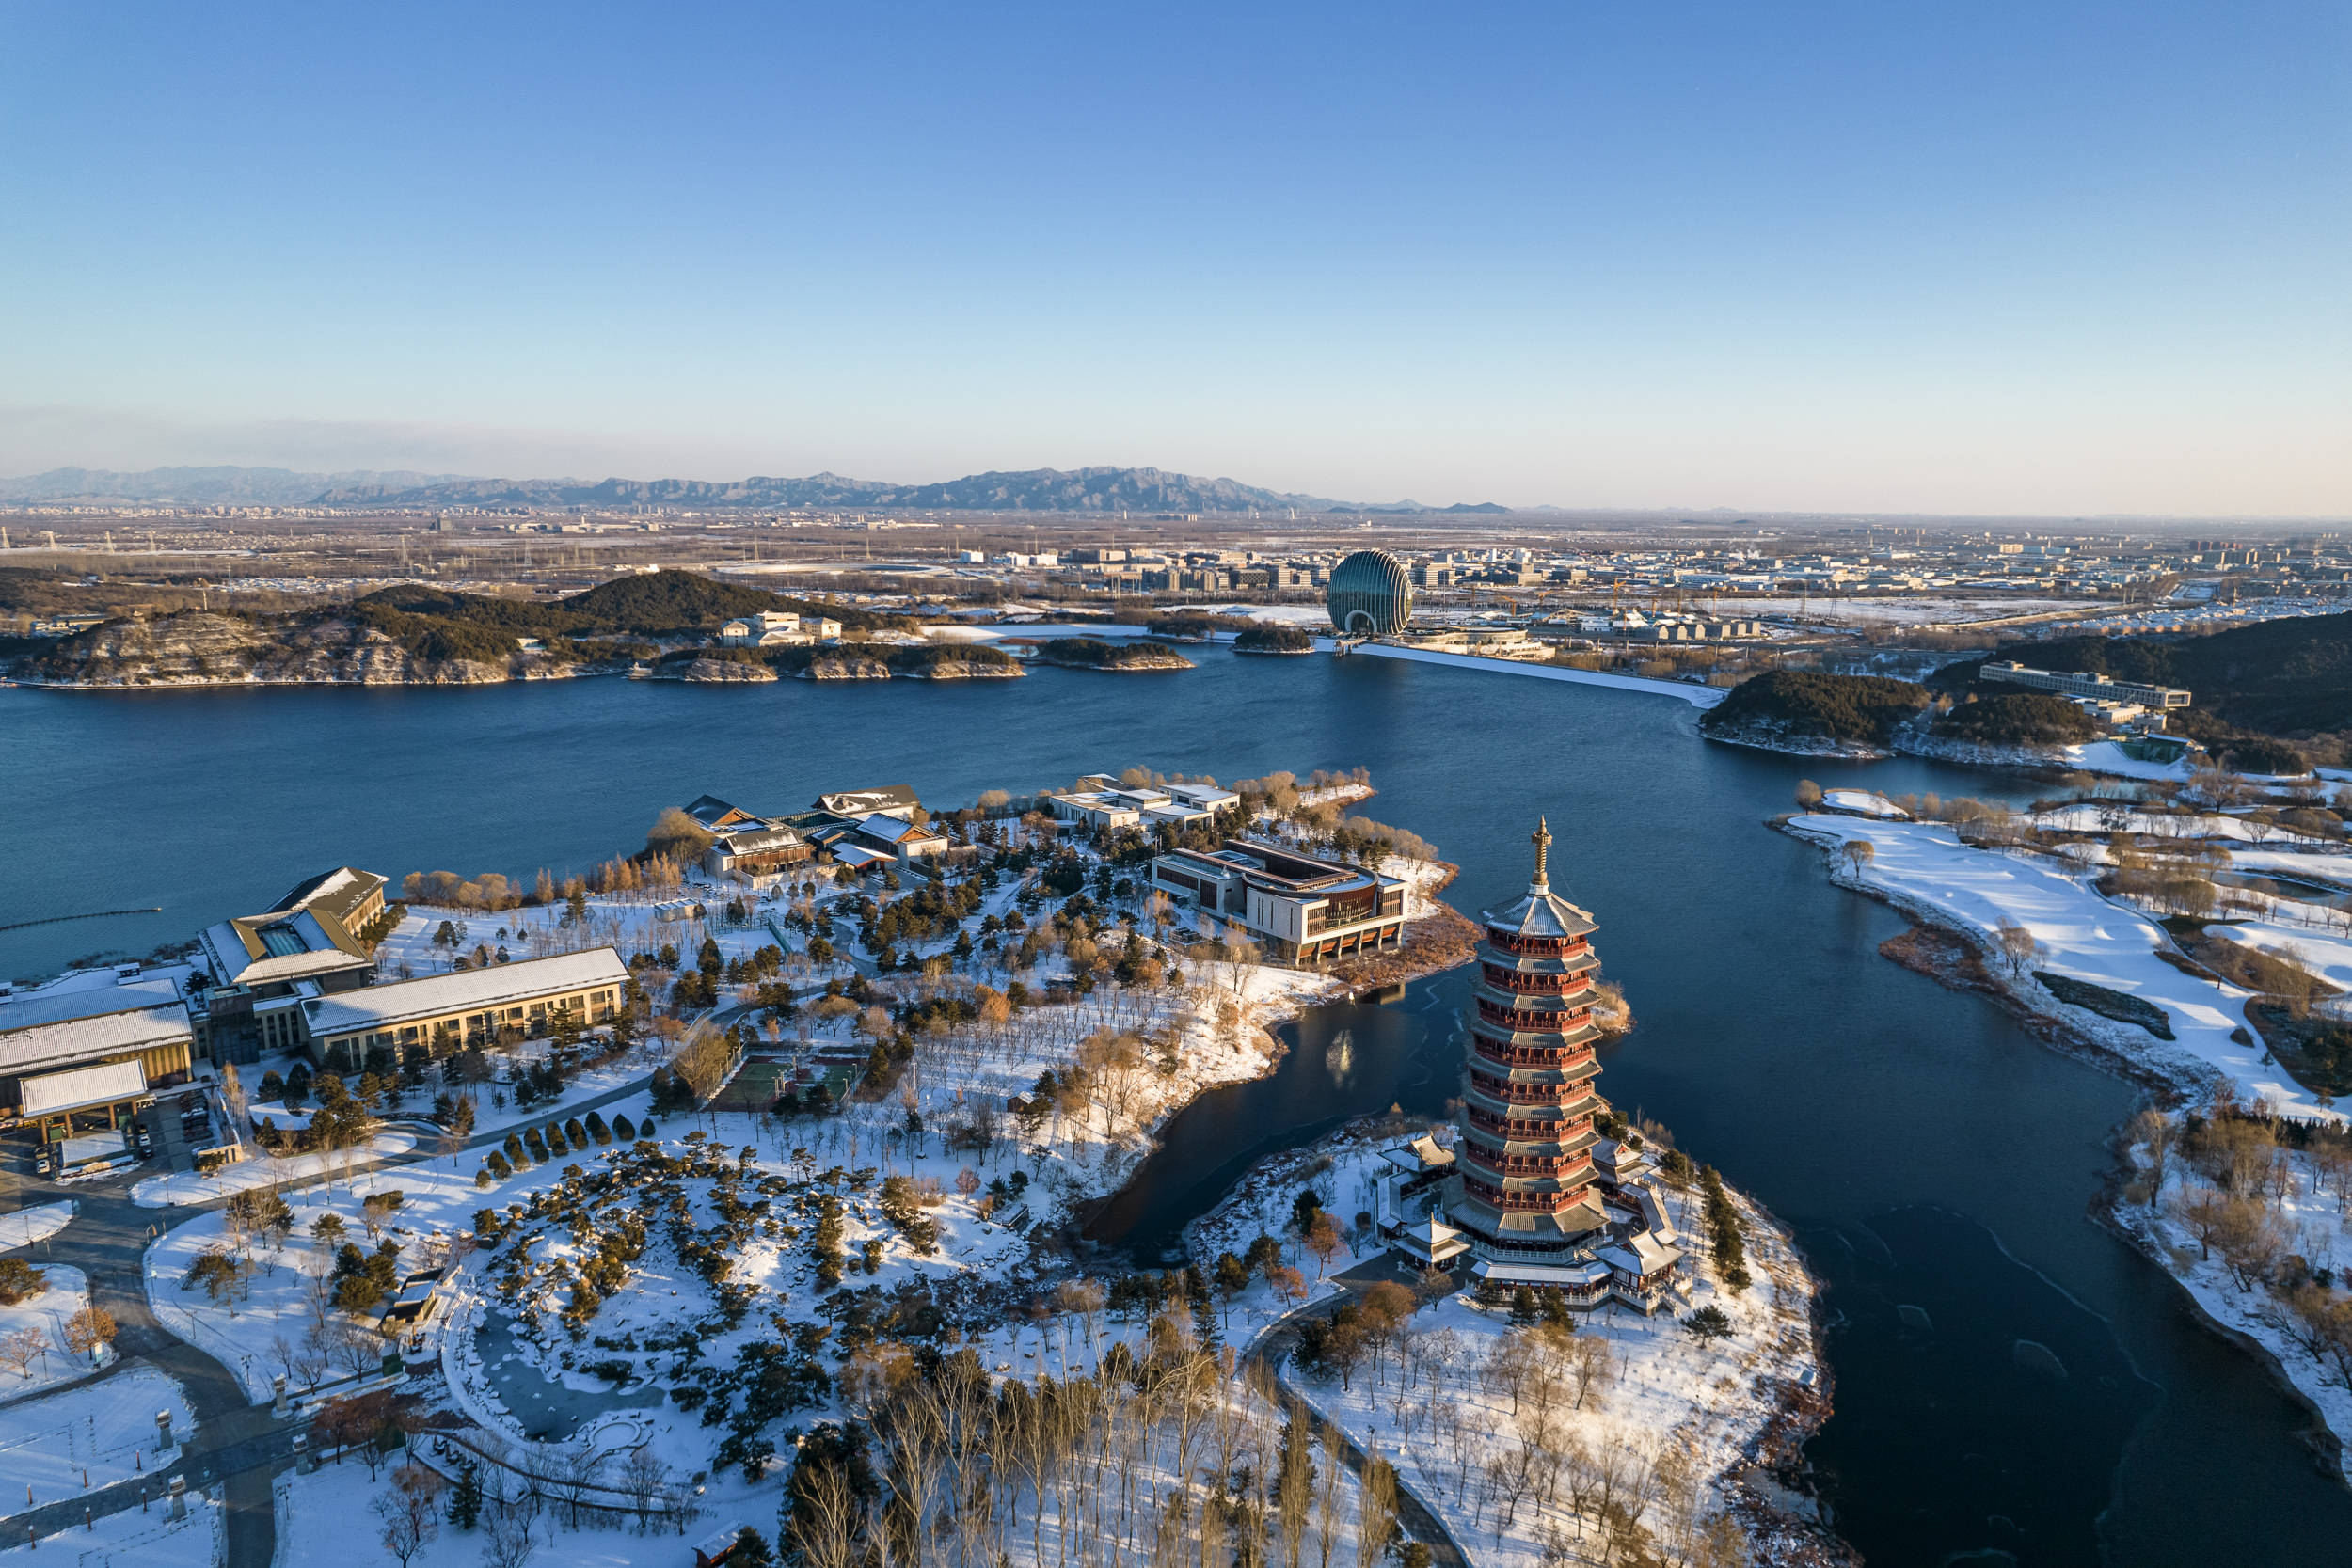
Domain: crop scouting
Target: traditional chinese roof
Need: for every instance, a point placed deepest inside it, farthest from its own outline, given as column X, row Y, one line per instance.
column 1541, row 913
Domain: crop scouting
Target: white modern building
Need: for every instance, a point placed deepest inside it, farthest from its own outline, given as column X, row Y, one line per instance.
column 1301, row 909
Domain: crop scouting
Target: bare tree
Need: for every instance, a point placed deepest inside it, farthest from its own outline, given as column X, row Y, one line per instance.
column 18, row 1350
column 2155, row 1131
column 507, row 1538
column 410, row 1511
column 642, row 1475
column 1375, row 1510
column 2018, row 948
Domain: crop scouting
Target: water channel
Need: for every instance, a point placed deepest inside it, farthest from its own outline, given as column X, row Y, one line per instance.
column 2011, row 1382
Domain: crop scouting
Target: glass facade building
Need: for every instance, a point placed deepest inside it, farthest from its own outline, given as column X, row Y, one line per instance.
column 1371, row 594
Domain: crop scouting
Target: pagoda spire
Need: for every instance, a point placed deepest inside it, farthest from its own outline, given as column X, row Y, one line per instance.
column 1541, row 839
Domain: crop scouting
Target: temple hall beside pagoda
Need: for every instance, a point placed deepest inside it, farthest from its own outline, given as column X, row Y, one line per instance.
column 1531, row 1193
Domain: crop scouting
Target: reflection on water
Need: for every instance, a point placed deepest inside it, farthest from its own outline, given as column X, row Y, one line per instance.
column 1339, row 1057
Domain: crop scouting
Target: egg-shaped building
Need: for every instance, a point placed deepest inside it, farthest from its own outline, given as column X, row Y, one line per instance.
column 1372, row 595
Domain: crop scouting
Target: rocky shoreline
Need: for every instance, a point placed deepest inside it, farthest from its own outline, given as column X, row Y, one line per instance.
column 1765, row 738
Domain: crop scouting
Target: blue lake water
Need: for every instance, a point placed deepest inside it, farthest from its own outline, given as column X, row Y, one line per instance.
column 1930, row 1155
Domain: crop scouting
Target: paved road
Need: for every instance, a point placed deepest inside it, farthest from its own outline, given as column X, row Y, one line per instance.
column 1273, row 1347
column 107, row 1240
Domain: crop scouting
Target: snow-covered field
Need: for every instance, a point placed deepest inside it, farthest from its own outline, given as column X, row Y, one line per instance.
column 2325, row 953
column 28, row 1225
column 1697, row 696
column 1864, row 802
column 45, row 1315
column 140, row 1539
column 1925, row 868
column 2107, row 756
column 2083, row 817
column 2328, row 869
column 183, row 1188
column 105, row 1430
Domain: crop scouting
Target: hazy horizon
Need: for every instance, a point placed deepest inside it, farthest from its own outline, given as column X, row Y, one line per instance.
column 2005, row 261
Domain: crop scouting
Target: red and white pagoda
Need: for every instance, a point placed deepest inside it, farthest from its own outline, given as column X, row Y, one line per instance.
column 1537, row 1194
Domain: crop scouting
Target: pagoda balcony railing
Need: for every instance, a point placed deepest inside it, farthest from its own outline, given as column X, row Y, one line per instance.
column 1537, row 1203
column 1519, row 980
column 1531, row 1094
column 1559, row 1130
column 1526, row 1165
column 1536, row 947
column 1529, row 1056
column 1537, row 1022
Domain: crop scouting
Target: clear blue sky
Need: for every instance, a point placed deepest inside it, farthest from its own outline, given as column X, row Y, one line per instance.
column 2032, row 257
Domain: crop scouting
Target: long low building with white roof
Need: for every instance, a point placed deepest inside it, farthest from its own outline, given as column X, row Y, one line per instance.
column 91, row 1042
column 475, row 1006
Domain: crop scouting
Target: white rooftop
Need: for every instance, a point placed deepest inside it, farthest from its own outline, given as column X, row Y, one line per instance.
column 103, row 1085
column 462, row 990
column 79, row 1039
column 87, row 993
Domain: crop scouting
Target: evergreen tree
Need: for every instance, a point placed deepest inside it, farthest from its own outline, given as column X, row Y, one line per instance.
column 465, row 1498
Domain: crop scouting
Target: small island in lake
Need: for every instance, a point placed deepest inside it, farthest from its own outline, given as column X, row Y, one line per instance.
column 1087, row 652
column 1273, row 637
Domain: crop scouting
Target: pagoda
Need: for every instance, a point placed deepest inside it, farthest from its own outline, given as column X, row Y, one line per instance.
column 1526, row 1193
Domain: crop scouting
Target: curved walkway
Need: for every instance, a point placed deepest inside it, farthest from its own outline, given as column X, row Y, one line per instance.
column 1273, row 1347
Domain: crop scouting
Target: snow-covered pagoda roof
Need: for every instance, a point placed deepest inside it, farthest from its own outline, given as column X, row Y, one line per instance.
column 1540, row 913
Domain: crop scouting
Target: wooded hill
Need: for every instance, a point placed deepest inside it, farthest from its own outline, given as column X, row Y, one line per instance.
column 2290, row 677
column 436, row 622
column 1863, row 709
column 2019, row 718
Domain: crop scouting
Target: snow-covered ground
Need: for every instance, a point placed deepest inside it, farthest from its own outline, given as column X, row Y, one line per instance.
column 2329, row 869
column 2108, row 756
column 627, row 924
column 1659, row 1391
column 26, row 1225
column 1663, row 1389
column 2313, row 1222
column 1863, row 802
column 140, row 1539
column 182, row 1188
column 45, row 1315
column 105, row 1430
column 1697, row 696
column 1924, row 867
column 2085, row 817
column 2325, row 953
column 328, row 1516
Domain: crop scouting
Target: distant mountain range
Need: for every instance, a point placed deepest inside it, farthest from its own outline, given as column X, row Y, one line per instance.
column 1100, row 490
column 223, row 486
